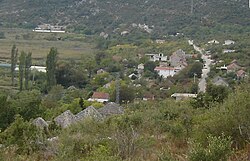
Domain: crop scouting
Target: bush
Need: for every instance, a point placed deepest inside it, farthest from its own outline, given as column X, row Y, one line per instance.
column 218, row 149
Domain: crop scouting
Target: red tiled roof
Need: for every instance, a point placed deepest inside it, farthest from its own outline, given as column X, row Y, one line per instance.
column 100, row 95
column 240, row 73
column 233, row 66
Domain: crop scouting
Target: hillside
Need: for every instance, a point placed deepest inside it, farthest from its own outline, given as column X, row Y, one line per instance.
column 95, row 16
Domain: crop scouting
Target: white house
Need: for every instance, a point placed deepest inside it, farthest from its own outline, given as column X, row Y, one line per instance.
column 228, row 51
column 166, row 71
column 229, row 42
column 157, row 57
column 181, row 96
column 213, row 42
column 35, row 68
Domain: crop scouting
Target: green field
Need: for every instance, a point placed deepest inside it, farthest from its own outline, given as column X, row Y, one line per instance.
column 70, row 46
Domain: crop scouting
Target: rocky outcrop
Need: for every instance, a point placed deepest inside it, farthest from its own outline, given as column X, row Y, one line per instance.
column 88, row 112
column 111, row 109
column 65, row 119
column 41, row 123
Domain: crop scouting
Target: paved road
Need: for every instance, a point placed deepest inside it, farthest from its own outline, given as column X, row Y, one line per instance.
column 206, row 69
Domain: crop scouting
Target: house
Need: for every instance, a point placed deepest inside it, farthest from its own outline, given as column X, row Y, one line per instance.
column 218, row 81
column 182, row 96
column 99, row 97
column 228, row 51
column 100, row 71
column 222, row 68
column 158, row 41
column 191, row 42
column 140, row 67
column 229, row 42
column 148, row 97
column 133, row 76
column 177, row 58
column 111, row 109
column 213, row 42
column 233, row 67
column 241, row 74
column 124, row 33
column 157, row 57
column 166, row 71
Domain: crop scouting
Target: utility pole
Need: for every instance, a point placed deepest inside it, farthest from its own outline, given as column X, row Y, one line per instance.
column 117, row 89
column 194, row 76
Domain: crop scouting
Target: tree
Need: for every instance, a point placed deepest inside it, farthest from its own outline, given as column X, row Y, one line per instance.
column 14, row 53
column 51, row 67
column 89, row 64
column 150, row 66
column 21, row 69
column 28, row 62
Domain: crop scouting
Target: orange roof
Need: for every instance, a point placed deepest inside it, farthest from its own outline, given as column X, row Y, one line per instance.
column 100, row 95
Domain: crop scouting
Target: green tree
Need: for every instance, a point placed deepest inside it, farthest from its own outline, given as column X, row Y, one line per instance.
column 89, row 64
column 28, row 62
column 21, row 69
column 14, row 54
column 51, row 67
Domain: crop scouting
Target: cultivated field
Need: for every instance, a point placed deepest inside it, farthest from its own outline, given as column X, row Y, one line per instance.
column 70, row 46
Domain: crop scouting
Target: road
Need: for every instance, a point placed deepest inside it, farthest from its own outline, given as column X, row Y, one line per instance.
column 206, row 69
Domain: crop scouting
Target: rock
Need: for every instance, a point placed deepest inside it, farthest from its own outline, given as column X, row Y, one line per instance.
column 88, row 112
column 65, row 119
column 40, row 122
column 111, row 109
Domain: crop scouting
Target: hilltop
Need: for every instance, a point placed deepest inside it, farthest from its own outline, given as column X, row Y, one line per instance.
column 95, row 16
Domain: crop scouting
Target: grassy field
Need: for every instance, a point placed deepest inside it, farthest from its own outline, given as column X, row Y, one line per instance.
column 70, row 46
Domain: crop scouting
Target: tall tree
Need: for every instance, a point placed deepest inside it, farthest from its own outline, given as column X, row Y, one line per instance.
column 21, row 69
column 28, row 62
column 14, row 53
column 51, row 67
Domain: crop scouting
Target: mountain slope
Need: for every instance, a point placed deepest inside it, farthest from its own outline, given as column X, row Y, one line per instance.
column 106, row 15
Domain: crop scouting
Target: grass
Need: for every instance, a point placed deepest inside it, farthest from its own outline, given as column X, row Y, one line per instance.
column 70, row 46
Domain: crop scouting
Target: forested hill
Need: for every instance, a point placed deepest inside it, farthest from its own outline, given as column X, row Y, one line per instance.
column 105, row 15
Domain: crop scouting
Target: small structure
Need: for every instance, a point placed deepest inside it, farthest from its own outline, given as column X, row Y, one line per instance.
column 65, row 119
column 219, row 81
column 111, row 109
column 158, row 41
column 166, row 71
column 99, row 97
column 157, row 57
column 228, row 51
column 124, row 33
column 229, row 42
column 100, row 71
column 182, row 96
column 133, row 76
column 140, row 67
column 213, row 42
